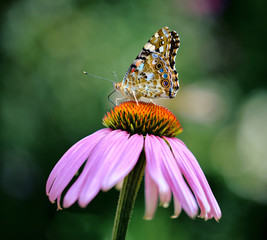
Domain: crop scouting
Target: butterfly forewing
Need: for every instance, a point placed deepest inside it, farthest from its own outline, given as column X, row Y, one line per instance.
column 153, row 74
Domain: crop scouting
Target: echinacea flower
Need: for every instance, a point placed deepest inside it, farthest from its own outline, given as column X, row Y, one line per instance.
column 107, row 156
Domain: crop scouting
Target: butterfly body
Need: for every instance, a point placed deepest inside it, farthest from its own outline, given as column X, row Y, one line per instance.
column 152, row 74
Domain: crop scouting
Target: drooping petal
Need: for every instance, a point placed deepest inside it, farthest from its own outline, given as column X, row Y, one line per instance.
column 108, row 152
column 58, row 203
column 122, row 164
column 189, row 174
column 214, row 207
column 89, row 182
column 151, row 196
column 154, row 167
column 176, row 181
column 177, row 208
column 70, row 163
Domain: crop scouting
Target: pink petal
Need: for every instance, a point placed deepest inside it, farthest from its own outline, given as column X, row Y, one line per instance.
column 154, row 166
column 215, row 209
column 189, row 175
column 88, row 183
column 151, row 196
column 70, row 163
column 123, row 162
column 103, row 156
column 176, row 181
column 177, row 208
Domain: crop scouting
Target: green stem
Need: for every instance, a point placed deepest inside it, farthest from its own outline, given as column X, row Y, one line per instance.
column 127, row 198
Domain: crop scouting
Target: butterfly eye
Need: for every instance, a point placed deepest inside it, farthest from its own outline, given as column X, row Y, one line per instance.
column 165, row 83
column 159, row 66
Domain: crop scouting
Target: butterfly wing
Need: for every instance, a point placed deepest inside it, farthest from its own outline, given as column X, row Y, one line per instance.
column 153, row 73
column 165, row 42
column 152, row 77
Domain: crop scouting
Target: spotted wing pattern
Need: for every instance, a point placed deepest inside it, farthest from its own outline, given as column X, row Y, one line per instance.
column 153, row 73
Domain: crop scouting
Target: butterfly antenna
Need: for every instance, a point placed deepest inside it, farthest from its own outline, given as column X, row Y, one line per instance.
column 115, row 75
column 84, row 72
column 109, row 97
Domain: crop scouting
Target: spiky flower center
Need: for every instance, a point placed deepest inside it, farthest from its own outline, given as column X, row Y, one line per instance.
column 144, row 118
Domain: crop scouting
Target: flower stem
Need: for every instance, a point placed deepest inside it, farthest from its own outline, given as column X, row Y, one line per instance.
column 127, row 198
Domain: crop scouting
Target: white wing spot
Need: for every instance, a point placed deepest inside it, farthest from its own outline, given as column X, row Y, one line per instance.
column 150, row 47
column 149, row 76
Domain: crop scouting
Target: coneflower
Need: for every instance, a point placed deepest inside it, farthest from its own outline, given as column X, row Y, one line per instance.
column 138, row 140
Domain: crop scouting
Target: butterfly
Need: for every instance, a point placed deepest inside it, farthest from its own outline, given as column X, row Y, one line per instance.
column 153, row 74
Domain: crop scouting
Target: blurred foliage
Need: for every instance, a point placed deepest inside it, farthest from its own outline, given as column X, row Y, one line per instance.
column 47, row 104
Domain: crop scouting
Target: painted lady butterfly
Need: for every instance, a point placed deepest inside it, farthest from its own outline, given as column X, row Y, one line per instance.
column 153, row 73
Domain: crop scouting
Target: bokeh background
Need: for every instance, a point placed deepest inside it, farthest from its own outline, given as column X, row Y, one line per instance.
column 47, row 104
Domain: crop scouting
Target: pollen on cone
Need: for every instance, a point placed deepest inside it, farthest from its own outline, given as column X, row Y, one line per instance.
column 144, row 118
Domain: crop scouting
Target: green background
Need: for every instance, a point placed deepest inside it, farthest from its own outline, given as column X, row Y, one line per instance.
column 47, row 104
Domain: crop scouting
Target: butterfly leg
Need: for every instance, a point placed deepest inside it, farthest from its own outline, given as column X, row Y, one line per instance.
column 135, row 98
column 152, row 101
